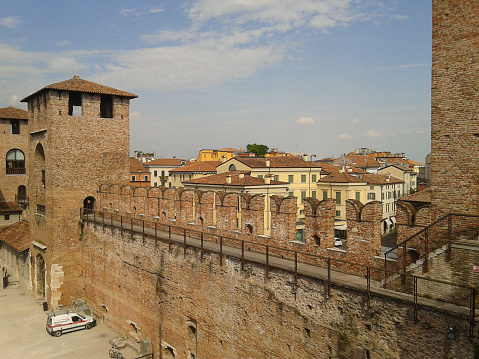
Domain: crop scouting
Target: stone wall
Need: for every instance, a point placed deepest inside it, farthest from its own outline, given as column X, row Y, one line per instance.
column 186, row 306
column 454, row 107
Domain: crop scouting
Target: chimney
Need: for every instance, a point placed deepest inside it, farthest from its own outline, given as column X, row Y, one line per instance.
column 241, row 175
column 267, row 162
column 305, row 157
column 223, row 159
column 228, row 179
column 267, row 180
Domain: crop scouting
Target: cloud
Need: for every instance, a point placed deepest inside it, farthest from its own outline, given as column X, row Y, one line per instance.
column 355, row 120
column 10, row 22
column 64, row 43
column 135, row 115
column 14, row 100
column 305, row 121
column 372, row 133
column 401, row 67
column 128, row 12
column 155, row 11
column 399, row 17
column 346, row 137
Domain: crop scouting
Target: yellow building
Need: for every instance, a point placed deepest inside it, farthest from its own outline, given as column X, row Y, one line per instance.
column 362, row 187
column 217, row 155
column 299, row 174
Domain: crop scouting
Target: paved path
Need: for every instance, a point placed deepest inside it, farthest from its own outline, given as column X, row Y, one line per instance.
column 23, row 334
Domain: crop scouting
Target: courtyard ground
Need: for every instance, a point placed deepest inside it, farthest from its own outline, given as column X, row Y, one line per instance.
column 23, row 334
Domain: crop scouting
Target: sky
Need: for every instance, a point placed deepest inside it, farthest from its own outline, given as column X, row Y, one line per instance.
column 322, row 77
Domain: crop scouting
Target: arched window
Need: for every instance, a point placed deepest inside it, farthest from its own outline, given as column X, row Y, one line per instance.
column 89, row 205
column 232, row 168
column 15, row 162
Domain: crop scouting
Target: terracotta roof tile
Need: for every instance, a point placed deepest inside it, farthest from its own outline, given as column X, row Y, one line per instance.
column 137, row 167
column 167, row 162
column 421, row 196
column 10, row 207
column 220, row 179
column 277, row 162
column 342, row 178
column 11, row 112
column 202, row 166
column 80, row 85
column 17, row 235
column 381, row 179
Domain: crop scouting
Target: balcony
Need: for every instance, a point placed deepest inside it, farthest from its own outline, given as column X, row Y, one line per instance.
column 16, row 171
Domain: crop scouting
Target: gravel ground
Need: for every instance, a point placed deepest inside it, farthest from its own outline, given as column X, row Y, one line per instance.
column 23, row 334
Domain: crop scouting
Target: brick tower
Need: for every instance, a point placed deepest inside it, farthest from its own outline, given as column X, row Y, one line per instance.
column 79, row 138
column 455, row 107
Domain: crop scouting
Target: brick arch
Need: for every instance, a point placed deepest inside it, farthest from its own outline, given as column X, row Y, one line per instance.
column 353, row 209
column 155, row 192
column 140, row 192
column 126, row 190
column 371, row 211
column 115, row 189
column 104, row 188
column 405, row 213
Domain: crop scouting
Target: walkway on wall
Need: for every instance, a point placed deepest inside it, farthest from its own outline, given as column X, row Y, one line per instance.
column 293, row 262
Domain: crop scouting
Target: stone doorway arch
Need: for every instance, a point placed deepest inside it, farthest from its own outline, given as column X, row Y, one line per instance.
column 40, row 269
column 89, row 205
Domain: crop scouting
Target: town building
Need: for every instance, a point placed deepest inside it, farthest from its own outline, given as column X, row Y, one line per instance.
column 13, row 153
column 192, row 171
column 217, row 155
column 160, row 170
column 139, row 174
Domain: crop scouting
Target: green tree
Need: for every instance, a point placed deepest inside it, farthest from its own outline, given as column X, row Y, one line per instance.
column 258, row 150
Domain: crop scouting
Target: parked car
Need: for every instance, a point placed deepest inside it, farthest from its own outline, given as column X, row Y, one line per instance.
column 338, row 242
column 59, row 323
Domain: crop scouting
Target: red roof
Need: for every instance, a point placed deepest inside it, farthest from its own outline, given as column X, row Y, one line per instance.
column 421, row 196
column 246, row 180
column 80, row 85
column 167, row 162
column 11, row 112
column 17, row 236
column 277, row 162
column 202, row 166
column 137, row 167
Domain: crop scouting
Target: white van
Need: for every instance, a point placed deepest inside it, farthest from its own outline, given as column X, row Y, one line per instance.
column 59, row 323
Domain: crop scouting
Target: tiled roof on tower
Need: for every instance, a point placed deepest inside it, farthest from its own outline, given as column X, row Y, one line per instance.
column 80, row 85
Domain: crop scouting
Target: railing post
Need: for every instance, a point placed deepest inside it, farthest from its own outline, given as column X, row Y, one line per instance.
column 131, row 227
column 184, row 242
column 472, row 312
column 103, row 221
column 143, row 223
column 111, row 221
column 169, row 238
column 368, row 285
column 242, row 256
column 296, row 269
column 415, row 299
column 449, row 238
column 221, row 251
column 202, row 251
column 267, row 261
column 121, row 225
column 385, row 270
column 426, row 251
column 94, row 217
column 403, row 277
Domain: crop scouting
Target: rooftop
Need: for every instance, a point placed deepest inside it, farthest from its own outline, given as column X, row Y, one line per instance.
column 277, row 162
column 238, row 178
column 167, row 162
column 80, row 85
column 17, row 235
column 12, row 112
column 202, row 166
column 137, row 167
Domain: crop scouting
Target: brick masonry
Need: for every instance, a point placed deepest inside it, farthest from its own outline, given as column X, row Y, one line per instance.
column 148, row 291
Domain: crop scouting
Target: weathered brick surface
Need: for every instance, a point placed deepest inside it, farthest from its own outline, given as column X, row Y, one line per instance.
column 9, row 183
column 454, row 107
column 77, row 154
column 241, row 315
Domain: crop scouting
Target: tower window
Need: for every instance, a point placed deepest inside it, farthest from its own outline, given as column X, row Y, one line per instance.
column 15, row 162
column 15, row 127
column 106, row 106
column 74, row 104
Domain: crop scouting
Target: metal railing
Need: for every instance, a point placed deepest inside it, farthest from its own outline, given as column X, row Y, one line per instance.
column 164, row 232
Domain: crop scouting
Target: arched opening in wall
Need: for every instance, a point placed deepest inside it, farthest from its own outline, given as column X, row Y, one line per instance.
column 22, row 194
column 232, row 168
column 317, row 240
column 88, row 205
column 15, row 164
column 249, row 229
column 163, row 214
column 200, row 221
column 39, row 167
column 413, row 256
column 40, row 274
column 168, row 352
column 385, row 227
